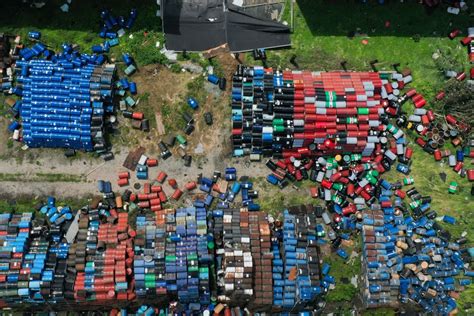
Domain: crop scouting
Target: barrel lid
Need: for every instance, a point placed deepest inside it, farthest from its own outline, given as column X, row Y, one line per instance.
column 148, row 258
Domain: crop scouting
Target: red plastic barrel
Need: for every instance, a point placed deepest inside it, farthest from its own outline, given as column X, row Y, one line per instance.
column 142, row 196
column 348, row 210
column 152, row 162
column 430, row 115
column 461, row 76
column 137, row 115
column 450, row 119
column 154, row 202
column 400, row 193
column 410, row 93
column 437, row 155
column 122, row 182
column 177, row 194
column 146, row 188
column 326, row 184
column 144, row 204
column 454, row 33
column 163, row 197
column 161, row 177
column 420, row 103
column 124, row 175
column 172, row 183
column 190, row 185
column 440, row 95
column 156, row 188
column 470, row 174
column 420, row 141
column 458, row 166
column 155, row 208
column 466, row 40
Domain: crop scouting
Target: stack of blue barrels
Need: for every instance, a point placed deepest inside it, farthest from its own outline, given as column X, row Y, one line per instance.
column 296, row 272
column 289, row 260
column 64, row 100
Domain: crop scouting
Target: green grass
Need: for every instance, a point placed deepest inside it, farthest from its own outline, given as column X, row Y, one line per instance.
column 82, row 24
column 40, row 177
column 341, row 268
column 23, row 204
column 172, row 113
column 320, row 42
column 320, row 39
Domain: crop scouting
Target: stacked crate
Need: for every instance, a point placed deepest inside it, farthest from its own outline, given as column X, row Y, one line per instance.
column 301, row 113
column 63, row 103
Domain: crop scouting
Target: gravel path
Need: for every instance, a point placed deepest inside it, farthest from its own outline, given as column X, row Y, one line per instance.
column 92, row 170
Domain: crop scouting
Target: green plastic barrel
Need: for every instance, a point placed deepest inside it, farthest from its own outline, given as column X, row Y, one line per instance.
column 363, row 111
column 278, row 121
column 278, row 129
column 181, row 139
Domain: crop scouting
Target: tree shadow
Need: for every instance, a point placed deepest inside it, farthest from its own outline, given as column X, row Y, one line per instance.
column 346, row 17
column 83, row 15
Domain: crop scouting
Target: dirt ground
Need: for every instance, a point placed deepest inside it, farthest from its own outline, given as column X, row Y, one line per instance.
column 19, row 167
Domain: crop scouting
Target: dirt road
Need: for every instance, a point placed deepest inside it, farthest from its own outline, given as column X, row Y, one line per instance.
column 91, row 170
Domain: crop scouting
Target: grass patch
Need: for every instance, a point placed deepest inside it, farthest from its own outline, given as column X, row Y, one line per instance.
column 82, row 25
column 172, row 113
column 40, row 177
column 344, row 292
column 147, row 109
column 23, row 204
column 320, row 39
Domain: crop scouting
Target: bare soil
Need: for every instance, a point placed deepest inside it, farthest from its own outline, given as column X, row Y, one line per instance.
column 161, row 86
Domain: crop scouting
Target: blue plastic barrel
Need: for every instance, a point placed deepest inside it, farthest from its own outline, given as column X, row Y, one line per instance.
column 193, row 103
column 213, row 79
column 36, row 35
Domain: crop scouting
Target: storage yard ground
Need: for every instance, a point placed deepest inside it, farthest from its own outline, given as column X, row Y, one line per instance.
column 320, row 42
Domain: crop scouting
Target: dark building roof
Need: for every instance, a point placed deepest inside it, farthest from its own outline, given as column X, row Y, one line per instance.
column 194, row 25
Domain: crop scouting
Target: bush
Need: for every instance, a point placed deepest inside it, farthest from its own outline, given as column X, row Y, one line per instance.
column 459, row 100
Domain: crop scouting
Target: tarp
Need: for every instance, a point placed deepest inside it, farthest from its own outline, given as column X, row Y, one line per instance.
column 197, row 25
